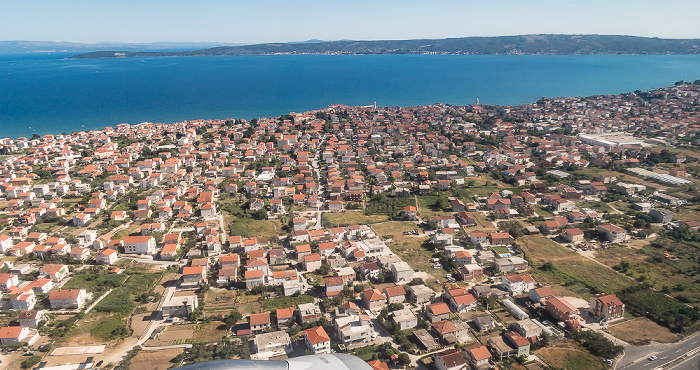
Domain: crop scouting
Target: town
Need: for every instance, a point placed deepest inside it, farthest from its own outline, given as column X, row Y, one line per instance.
column 557, row 234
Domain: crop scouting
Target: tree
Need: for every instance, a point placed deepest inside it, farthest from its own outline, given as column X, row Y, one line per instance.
column 423, row 324
column 597, row 344
column 31, row 361
column 179, row 358
column 347, row 292
column 623, row 266
column 260, row 214
column 442, row 203
column 43, row 174
column 323, row 270
column 232, row 318
column 404, row 359
column 359, row 288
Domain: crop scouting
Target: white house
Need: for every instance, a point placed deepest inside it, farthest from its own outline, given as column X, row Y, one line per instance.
column 140, row 244
column 317, row 340
column 518, row 284
column 67, row 298
column 401, row 272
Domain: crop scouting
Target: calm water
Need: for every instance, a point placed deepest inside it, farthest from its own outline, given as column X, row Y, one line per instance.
column 42, row 93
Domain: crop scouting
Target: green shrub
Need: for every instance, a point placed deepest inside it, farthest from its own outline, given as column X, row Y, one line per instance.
column 643, row 301
column 31, row 361
column 111, row 329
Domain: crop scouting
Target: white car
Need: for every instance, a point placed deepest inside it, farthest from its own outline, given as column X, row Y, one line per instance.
column 652, row 358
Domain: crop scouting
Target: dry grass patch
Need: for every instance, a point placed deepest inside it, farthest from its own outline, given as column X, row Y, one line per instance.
column 569, row 267
column 155, row 360
column 222, row 300
column 687, row 214
column 248, row 227
column 639, row 330
column 543, row 249
column 352, row 218
column 483, row 223
column 568, row 355
column 426, row 206
column 94, row 329
column 247, row 304
column 213, row 331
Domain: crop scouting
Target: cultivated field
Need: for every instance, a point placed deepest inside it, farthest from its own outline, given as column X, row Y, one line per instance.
column 173, row 334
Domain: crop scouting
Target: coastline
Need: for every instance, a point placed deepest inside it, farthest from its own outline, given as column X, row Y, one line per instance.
column 52, row 94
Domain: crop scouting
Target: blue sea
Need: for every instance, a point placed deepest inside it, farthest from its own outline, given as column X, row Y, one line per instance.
column 48, row 93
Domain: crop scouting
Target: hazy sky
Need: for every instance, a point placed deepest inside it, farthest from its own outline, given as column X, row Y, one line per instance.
column 256, row 21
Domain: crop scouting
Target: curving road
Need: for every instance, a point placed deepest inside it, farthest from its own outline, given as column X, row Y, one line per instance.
column 637, row 357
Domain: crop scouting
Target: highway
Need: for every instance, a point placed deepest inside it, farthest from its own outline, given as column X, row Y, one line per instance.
column 637, row 358
column 692, row 363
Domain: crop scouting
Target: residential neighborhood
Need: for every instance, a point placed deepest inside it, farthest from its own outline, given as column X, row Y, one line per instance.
column 439, row 236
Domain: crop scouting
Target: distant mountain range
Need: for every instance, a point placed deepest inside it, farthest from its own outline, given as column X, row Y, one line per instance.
column 19, row 46
column 501, row 45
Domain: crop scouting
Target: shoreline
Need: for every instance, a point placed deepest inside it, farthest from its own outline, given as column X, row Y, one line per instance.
column 102, row 93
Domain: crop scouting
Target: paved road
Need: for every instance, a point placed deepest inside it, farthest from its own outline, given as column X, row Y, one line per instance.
column 692, row 363
column 636, row 357
column 319, row 190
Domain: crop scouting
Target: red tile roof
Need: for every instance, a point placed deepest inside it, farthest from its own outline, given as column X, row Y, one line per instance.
column 317, row 335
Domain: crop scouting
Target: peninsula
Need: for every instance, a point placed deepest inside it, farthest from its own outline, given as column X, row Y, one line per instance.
column 501, row 45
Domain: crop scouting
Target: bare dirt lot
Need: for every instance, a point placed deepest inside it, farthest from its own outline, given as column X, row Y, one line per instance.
column 505, row 317
column 11, row 361
column 165, row 282
column 639, row 330
column 173, row 334
column 139, row 322
column 155, row 360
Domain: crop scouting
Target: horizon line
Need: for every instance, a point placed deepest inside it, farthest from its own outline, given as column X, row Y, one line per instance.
column 356, row 40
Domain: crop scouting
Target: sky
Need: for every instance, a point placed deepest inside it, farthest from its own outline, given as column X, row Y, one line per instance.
column 261, row 21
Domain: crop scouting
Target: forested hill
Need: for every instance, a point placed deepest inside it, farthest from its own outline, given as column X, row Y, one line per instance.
column 515, row 45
